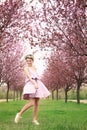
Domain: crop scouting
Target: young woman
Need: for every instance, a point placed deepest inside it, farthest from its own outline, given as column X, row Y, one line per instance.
column 33, row 90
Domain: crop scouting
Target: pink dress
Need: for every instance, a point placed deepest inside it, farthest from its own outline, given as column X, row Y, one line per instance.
column 29, row 90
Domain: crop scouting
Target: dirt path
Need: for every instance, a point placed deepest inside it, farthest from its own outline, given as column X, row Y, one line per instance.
column 4, row 100
column 81, row 101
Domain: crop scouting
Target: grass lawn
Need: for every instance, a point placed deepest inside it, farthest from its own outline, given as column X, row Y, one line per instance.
column 53, row 115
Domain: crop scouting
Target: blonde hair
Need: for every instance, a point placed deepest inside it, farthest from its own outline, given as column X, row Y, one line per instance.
column 29, row 56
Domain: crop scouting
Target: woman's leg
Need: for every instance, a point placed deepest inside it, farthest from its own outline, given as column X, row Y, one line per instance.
column 27, row 106
column 36, row 104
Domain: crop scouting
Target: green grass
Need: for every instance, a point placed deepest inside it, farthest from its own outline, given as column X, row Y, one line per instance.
column 53, row 115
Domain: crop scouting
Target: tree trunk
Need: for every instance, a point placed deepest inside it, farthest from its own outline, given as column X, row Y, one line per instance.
column 17, row 94
column 57, row 94
column 14, row 94
column 20, row 94
column 7, row 95
column 52, row 95
column 66, row 96
column 78, row 94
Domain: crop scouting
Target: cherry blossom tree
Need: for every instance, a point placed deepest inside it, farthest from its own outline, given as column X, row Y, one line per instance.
column 7, row 9
column 78, row 65
column 66, row 71
column 17, row 83
column 58, row 75
column 58, row 25
column 12, row 66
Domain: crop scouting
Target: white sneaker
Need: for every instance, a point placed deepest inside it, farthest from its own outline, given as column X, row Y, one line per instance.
column 35, row 122
column 17, row 117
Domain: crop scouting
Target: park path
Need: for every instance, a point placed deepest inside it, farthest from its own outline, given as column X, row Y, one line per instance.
column 82, row 101
column 4, row 100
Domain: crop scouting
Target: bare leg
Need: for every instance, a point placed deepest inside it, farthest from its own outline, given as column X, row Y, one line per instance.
column 27, row 106
column 36, row 103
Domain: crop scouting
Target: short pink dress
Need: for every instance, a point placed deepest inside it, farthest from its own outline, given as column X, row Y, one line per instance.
column 29, row 90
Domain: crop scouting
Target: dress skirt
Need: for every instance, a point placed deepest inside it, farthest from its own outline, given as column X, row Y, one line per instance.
column 29, row 90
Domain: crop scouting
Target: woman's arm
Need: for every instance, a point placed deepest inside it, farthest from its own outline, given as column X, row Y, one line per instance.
column 26, row 70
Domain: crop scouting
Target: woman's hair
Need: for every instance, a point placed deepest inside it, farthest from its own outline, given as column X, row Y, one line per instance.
column 29, row 56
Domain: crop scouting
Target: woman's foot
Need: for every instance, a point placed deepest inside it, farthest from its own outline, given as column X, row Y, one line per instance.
column 35, row 122
column 17, row 118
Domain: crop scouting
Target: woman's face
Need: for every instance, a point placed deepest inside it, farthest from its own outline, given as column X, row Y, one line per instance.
column 29, row 61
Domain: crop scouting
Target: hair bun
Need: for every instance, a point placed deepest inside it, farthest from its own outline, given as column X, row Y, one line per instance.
column 29, row 56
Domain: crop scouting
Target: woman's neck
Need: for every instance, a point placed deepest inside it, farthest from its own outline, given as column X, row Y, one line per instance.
column 29, row 65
